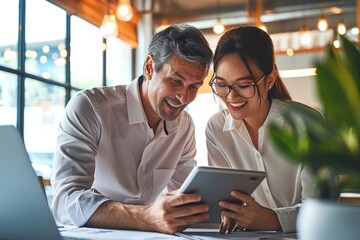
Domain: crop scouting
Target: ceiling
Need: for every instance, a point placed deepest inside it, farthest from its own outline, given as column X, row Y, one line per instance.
column 278, row 15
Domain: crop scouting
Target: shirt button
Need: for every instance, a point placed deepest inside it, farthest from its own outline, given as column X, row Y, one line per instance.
column 267, row 190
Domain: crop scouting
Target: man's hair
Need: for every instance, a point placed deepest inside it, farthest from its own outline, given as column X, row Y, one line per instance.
column 186, row 41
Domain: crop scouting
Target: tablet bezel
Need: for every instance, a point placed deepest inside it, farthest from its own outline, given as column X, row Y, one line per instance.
column 203, row 180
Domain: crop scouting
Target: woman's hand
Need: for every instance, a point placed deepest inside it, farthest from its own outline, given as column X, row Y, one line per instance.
column 249, row 215
column 227, row 225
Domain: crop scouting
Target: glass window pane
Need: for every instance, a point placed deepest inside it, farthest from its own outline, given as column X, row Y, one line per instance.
column 45, row 40
column 44, row 107
column 118, row 62
column 73, row 92
column 200, row 116
column 9, row 22
column 8, row 98
column 86, row 54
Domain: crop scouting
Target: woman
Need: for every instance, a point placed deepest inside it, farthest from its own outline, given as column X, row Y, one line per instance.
column 247, row 81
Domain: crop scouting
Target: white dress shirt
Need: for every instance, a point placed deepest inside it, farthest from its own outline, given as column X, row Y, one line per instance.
column 107, row 151
column 229, row 145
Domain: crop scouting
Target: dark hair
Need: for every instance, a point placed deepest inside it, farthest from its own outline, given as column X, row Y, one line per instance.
column 186, row 41
column 252, row 45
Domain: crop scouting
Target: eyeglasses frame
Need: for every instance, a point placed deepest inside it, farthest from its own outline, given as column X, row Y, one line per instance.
column 231, row 87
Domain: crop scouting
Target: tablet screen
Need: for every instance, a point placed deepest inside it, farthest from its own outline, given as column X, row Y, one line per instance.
column 215, row 184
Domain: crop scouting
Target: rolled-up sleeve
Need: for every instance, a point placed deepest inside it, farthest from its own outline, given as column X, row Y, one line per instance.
column 74, row 164
column 287, row 217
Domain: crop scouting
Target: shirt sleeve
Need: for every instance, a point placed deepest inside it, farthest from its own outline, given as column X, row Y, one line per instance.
column 287, row 215
column 215, row 158
column 74, row 200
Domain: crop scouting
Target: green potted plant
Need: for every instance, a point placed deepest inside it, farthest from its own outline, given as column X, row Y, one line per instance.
column 329, row 145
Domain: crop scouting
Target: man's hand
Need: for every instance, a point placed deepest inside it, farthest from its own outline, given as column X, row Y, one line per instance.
column 172, row 213
column 168, row 214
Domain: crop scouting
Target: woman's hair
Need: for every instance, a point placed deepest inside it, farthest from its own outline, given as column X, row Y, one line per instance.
column 252, row 45
column 186, row 41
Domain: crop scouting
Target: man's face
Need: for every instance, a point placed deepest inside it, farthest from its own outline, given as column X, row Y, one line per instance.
column 173, row 87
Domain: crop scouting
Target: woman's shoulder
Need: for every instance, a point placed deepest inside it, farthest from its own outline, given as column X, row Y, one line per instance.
column 290, row 105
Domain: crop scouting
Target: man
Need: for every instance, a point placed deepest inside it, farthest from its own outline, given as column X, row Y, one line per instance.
column 119, row 147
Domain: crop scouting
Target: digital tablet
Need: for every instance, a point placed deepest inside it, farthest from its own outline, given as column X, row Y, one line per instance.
column 215, row 184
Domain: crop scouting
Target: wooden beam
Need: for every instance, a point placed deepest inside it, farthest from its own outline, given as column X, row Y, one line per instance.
column 94, row 11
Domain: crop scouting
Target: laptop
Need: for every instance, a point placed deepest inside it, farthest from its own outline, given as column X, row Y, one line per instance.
column 24, row 211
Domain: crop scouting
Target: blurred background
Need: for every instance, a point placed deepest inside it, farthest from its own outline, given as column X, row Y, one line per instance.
column 51, row 49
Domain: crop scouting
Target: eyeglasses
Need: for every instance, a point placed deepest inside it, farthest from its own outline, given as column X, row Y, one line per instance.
column 245, row 90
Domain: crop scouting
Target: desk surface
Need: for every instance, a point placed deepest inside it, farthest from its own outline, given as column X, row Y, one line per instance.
column 191, row 233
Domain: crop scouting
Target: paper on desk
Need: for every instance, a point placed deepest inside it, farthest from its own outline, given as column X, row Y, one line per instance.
column 212, row 234
column 195, row 234
column 110, row 234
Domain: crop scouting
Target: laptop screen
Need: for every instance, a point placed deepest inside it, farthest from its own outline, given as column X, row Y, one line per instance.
column 24, row 211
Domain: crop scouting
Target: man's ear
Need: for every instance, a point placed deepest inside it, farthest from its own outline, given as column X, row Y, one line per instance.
column 149, row 67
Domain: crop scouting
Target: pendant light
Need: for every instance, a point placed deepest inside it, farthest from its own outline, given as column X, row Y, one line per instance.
column 323, row 23
column 305, row 37
column 109, row 27
column 219, row 27
column 124, row 10
column 341, row 28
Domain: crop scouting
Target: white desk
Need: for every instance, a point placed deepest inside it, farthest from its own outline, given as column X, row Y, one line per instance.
column 191, row 233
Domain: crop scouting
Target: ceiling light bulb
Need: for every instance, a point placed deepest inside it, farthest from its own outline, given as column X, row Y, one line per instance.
column 355, row 31
column 305, row 37
column 341, row 28
column 322, row 24
column 218, row 27
column 290, row 52
column 109, row 26
column 124, row 10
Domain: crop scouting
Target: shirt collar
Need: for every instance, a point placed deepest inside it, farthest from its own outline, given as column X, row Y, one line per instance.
column 136, row 111
column 275, row 113
column 135, row 108
column 231, row 123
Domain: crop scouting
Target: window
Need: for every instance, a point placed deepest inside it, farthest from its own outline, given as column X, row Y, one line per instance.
column 86, row 54
column 201, row 109
column 118, row 64
column 45, row 43
column 44, row 107
column 8, row 98
column 9, row 33
column 34, row 84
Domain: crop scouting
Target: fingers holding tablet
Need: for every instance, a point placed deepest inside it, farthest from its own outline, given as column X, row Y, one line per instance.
column 216, row 184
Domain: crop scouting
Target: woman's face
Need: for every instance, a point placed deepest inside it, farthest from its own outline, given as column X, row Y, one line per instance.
column 232, row 70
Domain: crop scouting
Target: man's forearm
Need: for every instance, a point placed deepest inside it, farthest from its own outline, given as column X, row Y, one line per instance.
column 119, row 216
column 170, row 213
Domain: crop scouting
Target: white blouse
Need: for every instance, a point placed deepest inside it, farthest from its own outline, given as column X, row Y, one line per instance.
column 229, row 145
column 107, row 151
